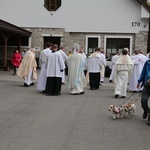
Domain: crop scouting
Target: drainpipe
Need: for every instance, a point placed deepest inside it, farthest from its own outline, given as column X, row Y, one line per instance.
column 148, row 39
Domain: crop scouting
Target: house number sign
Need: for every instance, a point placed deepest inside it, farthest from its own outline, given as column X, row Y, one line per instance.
column 135, row 24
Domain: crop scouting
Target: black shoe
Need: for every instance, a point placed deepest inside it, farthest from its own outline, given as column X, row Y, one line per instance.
column 74, row 94
column 48, row 94
column 123, row 96
column 134, row 91
column 145, row 115
column 110, row 81
column 32, row 83
column 148, row 120
column 82, row 92
column 56, row 94
column 26, row 85
column 117, row 95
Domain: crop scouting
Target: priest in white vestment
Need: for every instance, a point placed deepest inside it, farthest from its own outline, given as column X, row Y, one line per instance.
column 113, row 61
column 65, row 57
column 84, row 57
column 54, row 66
column 143, row 58
column 102, row 55
column 94, row 64
column 42, row 76
column 76, row 77
column 27, row 69
column 136, row 72
column 123, row 68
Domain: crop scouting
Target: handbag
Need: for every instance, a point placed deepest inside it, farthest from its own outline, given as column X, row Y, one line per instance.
column 147, row 84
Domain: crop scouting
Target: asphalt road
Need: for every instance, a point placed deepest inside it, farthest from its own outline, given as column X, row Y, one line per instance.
column 32, row 121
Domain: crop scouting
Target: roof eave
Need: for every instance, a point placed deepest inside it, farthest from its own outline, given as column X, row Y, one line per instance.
column 144, row 4
column 14, row 29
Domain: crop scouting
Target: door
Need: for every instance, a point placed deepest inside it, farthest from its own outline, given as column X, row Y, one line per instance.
column 53, row 40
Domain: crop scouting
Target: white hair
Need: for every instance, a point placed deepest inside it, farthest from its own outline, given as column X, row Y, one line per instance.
column 126, row 49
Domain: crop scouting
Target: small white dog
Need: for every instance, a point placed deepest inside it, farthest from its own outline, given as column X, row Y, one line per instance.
column 117, row 111
column 129, row 109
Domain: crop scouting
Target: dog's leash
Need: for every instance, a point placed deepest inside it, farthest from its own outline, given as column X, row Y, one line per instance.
column 137, row 98
column 131, row 96
column 128, row 98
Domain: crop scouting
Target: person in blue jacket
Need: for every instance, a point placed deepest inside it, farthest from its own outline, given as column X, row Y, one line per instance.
column 143, row 80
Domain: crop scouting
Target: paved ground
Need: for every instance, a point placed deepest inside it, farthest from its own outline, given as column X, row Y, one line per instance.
column 32, row 121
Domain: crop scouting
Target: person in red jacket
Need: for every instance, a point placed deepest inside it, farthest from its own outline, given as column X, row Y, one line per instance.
column 16, row 60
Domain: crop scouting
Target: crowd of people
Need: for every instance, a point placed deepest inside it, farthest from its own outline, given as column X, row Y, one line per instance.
column 128, row 73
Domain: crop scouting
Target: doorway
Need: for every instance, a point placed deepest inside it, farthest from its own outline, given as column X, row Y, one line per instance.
column 53, row 40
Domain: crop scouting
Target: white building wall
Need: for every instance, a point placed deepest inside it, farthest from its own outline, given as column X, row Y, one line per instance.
column 113, row 16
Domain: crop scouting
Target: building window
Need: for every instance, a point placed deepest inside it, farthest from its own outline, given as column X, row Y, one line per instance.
column 116, row 44
column 52, row 5
column 92, row 42
column 112, row 44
